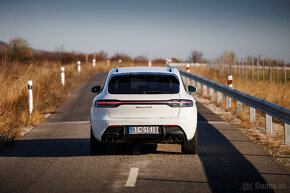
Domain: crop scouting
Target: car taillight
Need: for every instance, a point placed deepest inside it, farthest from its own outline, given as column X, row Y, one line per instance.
column 107, row 103
column 181, row 103
column 171, row 103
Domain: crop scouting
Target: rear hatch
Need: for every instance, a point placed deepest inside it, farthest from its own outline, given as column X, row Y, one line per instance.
column 152, row 106
column 144, row 96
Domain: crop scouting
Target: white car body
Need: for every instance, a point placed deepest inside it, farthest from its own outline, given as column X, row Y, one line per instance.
column 143, row 113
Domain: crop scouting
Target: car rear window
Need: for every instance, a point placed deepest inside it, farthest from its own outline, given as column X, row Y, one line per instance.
column 143, row 84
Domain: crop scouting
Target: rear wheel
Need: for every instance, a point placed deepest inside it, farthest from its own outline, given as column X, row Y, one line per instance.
column 190, row 147
column 97, row 148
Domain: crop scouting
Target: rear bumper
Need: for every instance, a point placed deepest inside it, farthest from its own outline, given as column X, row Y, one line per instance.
column 167, row 134
column 101, row 129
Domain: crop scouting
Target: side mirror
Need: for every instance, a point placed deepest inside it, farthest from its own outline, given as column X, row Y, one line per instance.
column 96, row 89
column 191, row 89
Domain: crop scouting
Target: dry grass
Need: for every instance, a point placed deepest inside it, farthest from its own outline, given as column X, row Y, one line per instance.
column 277, row 93
column 48, row 93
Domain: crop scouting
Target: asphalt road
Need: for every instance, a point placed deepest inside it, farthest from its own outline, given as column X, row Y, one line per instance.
column 54, row 157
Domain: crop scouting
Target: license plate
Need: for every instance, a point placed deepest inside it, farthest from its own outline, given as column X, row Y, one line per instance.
column 143, row 130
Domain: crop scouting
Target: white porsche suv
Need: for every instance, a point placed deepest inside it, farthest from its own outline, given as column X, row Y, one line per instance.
column 143, row 105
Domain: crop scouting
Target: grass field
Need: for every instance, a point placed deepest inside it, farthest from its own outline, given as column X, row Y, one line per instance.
column 277, row 93
column 48, row 92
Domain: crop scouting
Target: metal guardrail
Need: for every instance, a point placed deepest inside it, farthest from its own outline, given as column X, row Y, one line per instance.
column 267, row 107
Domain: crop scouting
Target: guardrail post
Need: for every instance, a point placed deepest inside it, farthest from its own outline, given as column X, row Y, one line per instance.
column 188, row 81
column 239, row 106
column 229, row 101
column 287, row 134
column 268, row 123
column 30, row 97
column 210, row 92
column 62, row 76
column 198, row 86
column 192, row 82
column 204, row 89
column 252, row 114
column 219, row 97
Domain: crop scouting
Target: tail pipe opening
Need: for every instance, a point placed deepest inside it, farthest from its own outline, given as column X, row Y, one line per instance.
column 176, row 138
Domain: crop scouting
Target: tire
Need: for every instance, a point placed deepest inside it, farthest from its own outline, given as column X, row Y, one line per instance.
column 96, row 147
column 190, row 147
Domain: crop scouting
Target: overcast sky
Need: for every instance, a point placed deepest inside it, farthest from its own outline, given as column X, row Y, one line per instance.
column 154, row 28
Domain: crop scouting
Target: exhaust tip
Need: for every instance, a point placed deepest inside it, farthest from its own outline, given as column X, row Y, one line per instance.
column 111, row 138
column 114, row 138
column 179, row 138
column 173, row 138
column 108, row 138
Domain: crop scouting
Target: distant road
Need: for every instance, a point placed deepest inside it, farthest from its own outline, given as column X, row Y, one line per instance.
column 54, row 157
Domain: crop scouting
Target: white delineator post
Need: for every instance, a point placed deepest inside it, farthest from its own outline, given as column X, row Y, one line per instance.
column 79, row 66
column 108, row 62
column 230, row 81
column 30, row 97
column 187, row 68
column 62, row 76
column 119, row 62
column 149, row 63
column 94, row 62
column 230, row 84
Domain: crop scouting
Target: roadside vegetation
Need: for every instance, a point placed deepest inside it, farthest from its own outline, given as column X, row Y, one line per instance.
column 273, row 87
column 277, row 93
column 20, row 63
